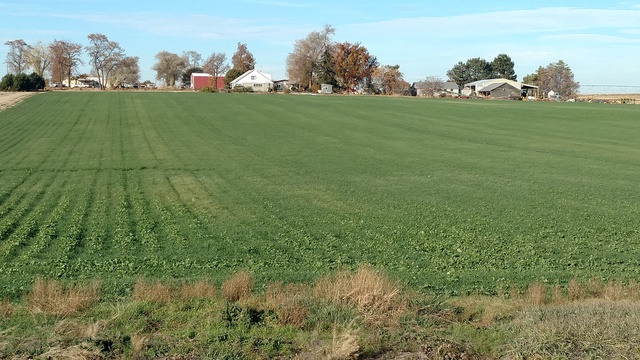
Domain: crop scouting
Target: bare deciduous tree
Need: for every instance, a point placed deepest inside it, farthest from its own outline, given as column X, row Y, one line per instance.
column 193, row 58
column 430, row 86
column 304, row 61
column 388, row 80
column 243, row 59
column 65, row 57
column 17, row 56
column 39, row 58
column 126, row 72
column 169, row 67
column 216, row 65
column 105, row 56
column 558, row 77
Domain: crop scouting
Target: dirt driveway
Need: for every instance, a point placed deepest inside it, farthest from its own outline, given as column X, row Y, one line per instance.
column 8, row 99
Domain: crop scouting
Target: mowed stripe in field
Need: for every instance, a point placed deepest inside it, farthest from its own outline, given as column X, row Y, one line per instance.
column 453, row 195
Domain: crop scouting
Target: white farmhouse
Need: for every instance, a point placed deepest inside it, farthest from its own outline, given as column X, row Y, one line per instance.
column 254, row 79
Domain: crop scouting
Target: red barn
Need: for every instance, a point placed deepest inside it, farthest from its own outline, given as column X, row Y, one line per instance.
column 200, row 80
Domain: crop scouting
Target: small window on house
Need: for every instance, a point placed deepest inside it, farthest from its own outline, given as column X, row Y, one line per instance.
column 253, row 77
column 257, row 85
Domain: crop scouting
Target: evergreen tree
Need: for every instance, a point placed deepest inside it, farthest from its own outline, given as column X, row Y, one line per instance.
column 503, row 67
column 37, row 81
column 459, row 74
column 479, row 69
column 7, row 82
column 22, row 82
column 231, row 75
column 326, row 69
column 186, row 76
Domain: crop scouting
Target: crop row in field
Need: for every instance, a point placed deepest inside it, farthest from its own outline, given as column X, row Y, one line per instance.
column 444, row 195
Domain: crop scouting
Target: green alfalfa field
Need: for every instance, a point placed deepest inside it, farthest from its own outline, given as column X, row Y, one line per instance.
column 444, row 196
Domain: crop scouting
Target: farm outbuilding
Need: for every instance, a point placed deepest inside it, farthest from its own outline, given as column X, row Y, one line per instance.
column 200, row 80
column 326, row 89
column 450, row 88
column 500, row 88
column 500, row 91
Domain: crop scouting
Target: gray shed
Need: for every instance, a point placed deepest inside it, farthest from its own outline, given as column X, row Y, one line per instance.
column 500, row 91
column 326, row 89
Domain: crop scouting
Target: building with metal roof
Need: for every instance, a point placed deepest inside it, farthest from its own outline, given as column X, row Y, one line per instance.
column 500, row 88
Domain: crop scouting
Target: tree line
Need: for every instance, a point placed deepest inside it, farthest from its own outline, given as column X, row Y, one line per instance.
column 61, row 59
column 109, row 63
column 556, row 76
column 316, row 59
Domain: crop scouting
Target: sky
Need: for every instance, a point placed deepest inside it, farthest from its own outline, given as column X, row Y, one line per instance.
column 599, row 40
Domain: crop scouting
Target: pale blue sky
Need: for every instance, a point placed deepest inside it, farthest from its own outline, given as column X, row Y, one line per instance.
column 598, row 39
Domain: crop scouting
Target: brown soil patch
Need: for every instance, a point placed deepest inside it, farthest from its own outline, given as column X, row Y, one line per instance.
column 9, row 99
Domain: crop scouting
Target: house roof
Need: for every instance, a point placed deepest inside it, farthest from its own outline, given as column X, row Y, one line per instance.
column 486, row 82
column 481, row 85
column 244, row 76
column 494, row 86
column 450, row 85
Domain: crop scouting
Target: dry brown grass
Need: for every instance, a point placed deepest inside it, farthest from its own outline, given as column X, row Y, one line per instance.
column 6, row 309
column 514, row 293
column 202, row 289
column 163, row 293
column 574, row 290
column 537, row 294
column 84, row 351
column 614, row 291
column 344, row 345
column 288, row 302
column 237, row 287
column 485, row 311
column 633, row 290
column 557, row 295
column 52, row 297
column 594, row 288
column 139, row 342
column 153, row 292
column 373, row 294
column 593, row 328
column 69, row 329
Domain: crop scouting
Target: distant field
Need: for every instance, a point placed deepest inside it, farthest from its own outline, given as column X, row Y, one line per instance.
column 445, row 195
